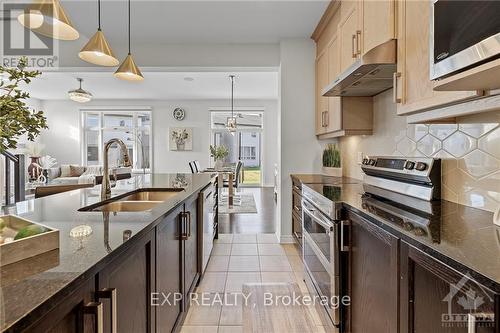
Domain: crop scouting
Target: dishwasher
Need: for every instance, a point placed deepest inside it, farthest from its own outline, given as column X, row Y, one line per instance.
column 207, row 208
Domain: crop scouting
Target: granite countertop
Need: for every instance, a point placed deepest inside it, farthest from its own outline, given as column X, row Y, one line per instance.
column 322, row 179
column 462, row 237
column 22, row 289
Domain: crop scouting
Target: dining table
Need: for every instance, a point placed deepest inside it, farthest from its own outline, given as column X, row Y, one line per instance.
column 228, row 171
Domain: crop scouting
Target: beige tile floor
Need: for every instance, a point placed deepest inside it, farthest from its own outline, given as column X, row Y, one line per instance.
column 238, row 259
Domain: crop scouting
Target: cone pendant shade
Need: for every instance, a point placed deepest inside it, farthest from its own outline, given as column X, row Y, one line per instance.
column 98, row 52
column 128, row 70
column 48, row 18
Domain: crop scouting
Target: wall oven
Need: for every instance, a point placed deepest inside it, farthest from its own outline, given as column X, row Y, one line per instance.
column 463, row 34
column 321, row 256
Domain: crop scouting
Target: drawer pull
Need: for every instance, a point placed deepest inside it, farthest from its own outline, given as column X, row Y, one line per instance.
column 353, row 41
column 395, row 97
column 110, row 293
column 95, row 309
column 358, row 42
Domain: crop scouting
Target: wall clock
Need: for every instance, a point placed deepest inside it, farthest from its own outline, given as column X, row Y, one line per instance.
column 179, row 114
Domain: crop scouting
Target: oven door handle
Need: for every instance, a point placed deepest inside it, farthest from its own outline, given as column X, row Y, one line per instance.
column 310, row 213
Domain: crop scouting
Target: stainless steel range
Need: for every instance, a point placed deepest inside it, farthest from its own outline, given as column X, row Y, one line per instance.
column 418, row 177
column 323, row 243
column 398, row 189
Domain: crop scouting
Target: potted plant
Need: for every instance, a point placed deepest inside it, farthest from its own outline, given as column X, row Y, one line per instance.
column 219, row 153
column 331, row 161
column 16, row 118
column 180, row 137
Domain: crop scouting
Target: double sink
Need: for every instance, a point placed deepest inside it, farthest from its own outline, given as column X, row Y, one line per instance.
column 136, row 201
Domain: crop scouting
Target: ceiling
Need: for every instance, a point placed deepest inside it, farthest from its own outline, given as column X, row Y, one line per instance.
column 158, row 86
column 207, row 21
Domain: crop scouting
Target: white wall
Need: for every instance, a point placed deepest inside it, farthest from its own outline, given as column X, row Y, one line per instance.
column 186, row 55
column 63, row 139
column 300, row 151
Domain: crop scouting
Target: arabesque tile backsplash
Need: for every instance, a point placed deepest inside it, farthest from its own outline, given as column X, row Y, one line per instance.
column 470, row 151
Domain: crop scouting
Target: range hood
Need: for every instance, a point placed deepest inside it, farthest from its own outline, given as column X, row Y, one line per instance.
column 369, row 75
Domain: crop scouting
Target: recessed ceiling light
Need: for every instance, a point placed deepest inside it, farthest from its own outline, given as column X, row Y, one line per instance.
column 188, row 79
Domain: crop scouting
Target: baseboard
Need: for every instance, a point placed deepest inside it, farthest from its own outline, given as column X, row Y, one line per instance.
column 287, row 239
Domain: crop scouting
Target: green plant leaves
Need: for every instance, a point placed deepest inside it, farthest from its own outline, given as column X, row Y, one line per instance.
column 16, row 118
column 331, row 156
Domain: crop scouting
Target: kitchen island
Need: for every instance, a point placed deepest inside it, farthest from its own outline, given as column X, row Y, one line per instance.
column 110, row 273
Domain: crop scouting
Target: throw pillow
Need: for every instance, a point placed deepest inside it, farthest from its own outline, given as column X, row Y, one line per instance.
column 76, row 170
column 65, row 170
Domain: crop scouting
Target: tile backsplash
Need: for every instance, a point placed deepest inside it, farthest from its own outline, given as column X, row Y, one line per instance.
column 470, row 156
column 470, row 151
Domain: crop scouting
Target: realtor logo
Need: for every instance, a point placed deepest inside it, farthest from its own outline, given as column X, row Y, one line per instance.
column 470, row 303
column 19, row 41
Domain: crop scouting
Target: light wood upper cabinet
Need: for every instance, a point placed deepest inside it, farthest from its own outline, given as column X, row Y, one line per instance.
column 378, row 23
column 414, row 89
column 348, row 32
column 334, row 116
column 321, row 102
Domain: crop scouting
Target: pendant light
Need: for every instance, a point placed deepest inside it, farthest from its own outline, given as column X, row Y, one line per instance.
column 79, row 95
column 48, row 18
column 97, row 51
column 231, row 121
column 128, row 70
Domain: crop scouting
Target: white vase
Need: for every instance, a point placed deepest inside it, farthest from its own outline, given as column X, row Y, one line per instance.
column 181, row 146
column 335, row 172
column 218, row 164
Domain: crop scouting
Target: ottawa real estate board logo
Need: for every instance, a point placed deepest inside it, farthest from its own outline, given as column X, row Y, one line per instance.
column 18, row 41
column 468, row 305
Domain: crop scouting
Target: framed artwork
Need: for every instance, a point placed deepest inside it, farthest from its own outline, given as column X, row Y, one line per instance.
column 180, row 138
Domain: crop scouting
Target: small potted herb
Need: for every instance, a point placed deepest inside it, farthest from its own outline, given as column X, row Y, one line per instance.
column 219, row 153
column 331, row 161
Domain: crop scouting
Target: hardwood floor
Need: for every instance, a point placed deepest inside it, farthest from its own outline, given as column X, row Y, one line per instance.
column 262, row 222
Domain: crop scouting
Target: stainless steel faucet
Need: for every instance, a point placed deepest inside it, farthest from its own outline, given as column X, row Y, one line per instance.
column 106, row 183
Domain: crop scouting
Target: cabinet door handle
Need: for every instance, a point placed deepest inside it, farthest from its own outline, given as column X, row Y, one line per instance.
column 343, row 224
column 395, row 77
column 353, row 41
column 110, row 293
column 183, row 225
column 95, row 309
column 188, row 214
column 327, row 119
column 472, row 319
column 358, row 43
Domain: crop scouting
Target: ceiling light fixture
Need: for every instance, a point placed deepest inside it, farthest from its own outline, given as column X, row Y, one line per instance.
column 128, row 70
column 231, row 121
column 48, row 18
column 79, row 95
column 97, row 51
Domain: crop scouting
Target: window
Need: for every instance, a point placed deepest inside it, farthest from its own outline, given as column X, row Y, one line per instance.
column 132, row 127
column 244, row 145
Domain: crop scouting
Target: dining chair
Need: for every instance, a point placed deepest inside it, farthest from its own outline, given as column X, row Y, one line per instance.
column 192, row 166
column 197, row 165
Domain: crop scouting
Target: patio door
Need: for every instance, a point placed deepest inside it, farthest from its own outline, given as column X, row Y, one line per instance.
column 244, row 145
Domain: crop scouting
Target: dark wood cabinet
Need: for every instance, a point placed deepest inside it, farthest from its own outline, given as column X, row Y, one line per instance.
column 190, row 248
column 70, row 316
column 132, row 277
column 168, row 270
column 373, row 278
column 436, row 298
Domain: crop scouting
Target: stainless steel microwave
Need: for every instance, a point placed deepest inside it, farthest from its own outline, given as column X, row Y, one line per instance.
column 464, row 34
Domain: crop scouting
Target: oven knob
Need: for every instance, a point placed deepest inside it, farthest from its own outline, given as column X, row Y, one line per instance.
column 421, row 166
column 371, row 162
column 365, row 161
column 409, row 165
